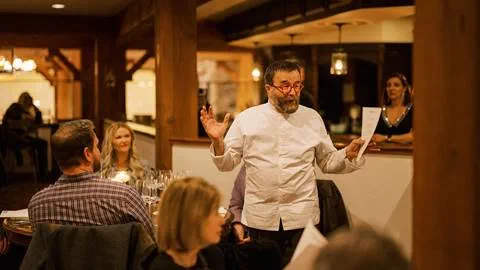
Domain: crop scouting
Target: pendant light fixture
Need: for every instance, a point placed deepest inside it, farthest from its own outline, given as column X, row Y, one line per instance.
column 339, row 59
column 256, row 72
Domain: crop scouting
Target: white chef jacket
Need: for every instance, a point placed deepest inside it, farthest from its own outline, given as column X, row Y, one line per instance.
column 279, row 151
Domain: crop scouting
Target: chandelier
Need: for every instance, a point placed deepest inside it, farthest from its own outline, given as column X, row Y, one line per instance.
column 339, row 63
column 9, row 62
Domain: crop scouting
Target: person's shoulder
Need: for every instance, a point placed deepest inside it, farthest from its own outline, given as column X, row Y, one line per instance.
column 116, row 188
column 410, row 107
column 162, row 261
column 247, row 115
column 252, row 110
column 41, row 194
column 13, row 111
column 308, row 112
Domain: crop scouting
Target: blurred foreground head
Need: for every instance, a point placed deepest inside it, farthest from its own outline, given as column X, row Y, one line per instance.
column 361, row 249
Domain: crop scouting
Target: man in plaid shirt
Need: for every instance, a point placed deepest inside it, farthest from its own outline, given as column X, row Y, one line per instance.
column 80, row 196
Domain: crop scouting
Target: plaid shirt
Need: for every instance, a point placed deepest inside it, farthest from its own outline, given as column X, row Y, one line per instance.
column 87, row 199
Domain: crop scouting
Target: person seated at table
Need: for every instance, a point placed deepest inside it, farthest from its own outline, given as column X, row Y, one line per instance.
column 190, row 226
column 80, row 196
column 236, row 206
column 119, row 154
column 396, row 120
column 19, row 126
column 361, row 248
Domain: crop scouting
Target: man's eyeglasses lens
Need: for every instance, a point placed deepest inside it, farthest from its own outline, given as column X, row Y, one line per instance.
column 287, row 87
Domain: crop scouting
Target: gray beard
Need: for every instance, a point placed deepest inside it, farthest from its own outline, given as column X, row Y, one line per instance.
column 287, row 106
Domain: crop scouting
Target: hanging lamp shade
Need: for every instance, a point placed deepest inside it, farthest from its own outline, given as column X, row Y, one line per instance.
column 339, row 62
column 256, row 71
column 339, row 58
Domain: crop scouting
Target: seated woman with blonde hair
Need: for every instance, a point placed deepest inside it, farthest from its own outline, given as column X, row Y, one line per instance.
column 119, row 155
column 189, row 227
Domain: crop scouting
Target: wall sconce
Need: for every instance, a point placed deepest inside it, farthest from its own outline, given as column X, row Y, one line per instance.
column 339, row 59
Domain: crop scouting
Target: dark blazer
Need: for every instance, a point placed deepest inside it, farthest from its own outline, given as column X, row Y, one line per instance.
column 333, row 213
column 118, row 247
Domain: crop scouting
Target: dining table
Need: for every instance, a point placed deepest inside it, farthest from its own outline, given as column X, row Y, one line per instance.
column 18, row 230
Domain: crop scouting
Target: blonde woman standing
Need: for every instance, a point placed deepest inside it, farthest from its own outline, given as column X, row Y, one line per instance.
column 119, row 155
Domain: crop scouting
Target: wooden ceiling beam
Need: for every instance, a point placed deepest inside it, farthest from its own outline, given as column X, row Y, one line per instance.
column 149, row 54
column 48, row 77
column 32, row 23
column 45, row 40
column 137, row 17
column 280, row 14
column 136, row 22
column 56, row 52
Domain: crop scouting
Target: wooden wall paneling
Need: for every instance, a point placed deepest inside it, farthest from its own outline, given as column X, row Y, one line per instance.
column 176, row 75
column 314, row 75
column 88, row 80
column 446, row 186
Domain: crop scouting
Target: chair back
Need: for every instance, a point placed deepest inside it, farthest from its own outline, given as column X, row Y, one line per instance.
column 333, row 213
column 123, row 246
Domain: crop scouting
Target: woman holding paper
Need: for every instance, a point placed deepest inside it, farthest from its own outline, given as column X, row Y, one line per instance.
column 396, row 118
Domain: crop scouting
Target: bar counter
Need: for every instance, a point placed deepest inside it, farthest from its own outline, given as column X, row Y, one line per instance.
column 380, row 194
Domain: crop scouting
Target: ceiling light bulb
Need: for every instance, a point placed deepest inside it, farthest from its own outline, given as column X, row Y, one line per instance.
column 7, row 66
column 256, row 74
column 29, row 65
column 17, row 63
column 58, row 6
column 338, row 64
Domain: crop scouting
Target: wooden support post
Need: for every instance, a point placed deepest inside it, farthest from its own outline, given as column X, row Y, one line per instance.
column 446, row 187
column 176, row 75
column 88, row 75
column 110, row 62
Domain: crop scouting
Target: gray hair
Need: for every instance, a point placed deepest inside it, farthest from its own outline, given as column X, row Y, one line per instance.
column 361, row 249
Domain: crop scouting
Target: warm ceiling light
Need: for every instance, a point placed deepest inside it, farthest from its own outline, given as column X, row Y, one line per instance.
column 58, row 6
column 256, row 73
column 339, row 59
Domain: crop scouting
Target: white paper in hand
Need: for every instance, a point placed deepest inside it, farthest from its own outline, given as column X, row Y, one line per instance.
column 308, row 248
column 22, row 213
column 370, row 116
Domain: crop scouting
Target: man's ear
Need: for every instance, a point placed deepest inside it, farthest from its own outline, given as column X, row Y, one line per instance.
column 88, row 154
column 268, row 88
